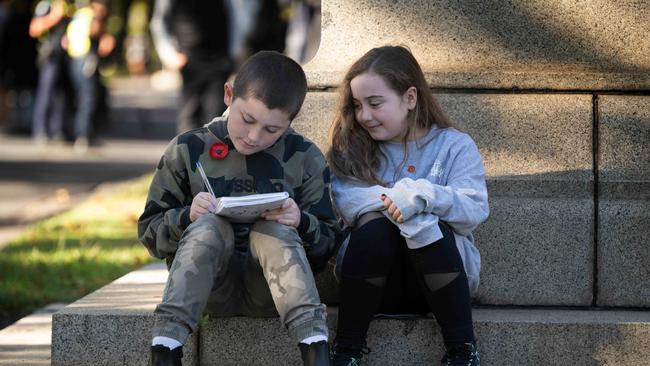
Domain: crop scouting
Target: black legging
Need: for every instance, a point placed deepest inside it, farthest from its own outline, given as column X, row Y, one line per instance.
column 380, row 274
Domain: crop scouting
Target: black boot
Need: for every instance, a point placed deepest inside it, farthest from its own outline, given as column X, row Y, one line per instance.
column 315, row 354
column 163, row 356
column 462, row 354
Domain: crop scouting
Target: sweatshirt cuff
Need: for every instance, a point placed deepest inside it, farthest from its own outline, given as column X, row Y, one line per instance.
column 185, row 218
column 402, row 199
column 303, row 226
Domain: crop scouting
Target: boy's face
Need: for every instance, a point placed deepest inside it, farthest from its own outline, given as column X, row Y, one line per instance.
column 253, row 127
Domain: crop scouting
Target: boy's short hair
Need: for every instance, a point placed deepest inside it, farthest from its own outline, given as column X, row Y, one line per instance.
column 273, row 78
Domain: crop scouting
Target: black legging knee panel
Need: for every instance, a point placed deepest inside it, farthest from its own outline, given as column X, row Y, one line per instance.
column 441, row 257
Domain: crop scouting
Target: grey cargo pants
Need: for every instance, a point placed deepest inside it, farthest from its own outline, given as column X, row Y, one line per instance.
column 273, row 278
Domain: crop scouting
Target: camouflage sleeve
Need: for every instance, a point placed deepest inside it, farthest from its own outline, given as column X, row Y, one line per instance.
column 167, row 210
column 318, row 223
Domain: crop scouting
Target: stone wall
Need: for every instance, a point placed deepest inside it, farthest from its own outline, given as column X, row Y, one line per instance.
column 557, row 97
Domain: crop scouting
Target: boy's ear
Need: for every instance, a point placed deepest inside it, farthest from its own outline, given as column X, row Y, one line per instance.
column 411, row 97
column 227, row 94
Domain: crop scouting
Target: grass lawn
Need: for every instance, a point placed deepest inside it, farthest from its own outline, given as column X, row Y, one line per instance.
column 62, row 258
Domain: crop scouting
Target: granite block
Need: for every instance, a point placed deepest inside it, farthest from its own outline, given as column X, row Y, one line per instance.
column 624, row 136
column 315, row 118
column 624, row 253
column 505, row 337
column 112, row 326
column 550, row 139
column 537, row 251
column 527, row 136
column 496, row 44
column 623, row 200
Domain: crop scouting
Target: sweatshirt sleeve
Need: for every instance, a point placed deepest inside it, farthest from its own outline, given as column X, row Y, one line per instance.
column 462, row 202
column 167, row 210
column 353, row 198
column 318, row 225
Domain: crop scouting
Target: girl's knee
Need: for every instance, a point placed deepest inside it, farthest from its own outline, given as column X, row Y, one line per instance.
column 376, row 234
column 372, row 249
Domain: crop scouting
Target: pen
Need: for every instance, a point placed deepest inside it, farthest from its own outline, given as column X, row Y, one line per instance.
column 205, row 178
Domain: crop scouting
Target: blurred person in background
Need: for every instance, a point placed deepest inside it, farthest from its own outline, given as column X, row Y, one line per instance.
column 86, row 40
column 192, row 36
column 49, row 24
column 4, row 17
column 18, row 72
column 269, row 26
column 303, row 30
column 137, row 39
column 205, row 40
column 288, row 26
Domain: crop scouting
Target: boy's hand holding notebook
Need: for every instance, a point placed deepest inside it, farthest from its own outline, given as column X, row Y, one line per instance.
column 244, row 208
column 249, row 208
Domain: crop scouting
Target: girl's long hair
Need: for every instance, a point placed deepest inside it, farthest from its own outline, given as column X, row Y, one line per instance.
column 352, row 152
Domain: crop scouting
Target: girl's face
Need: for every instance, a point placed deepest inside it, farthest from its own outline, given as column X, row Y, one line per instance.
column 379, row 109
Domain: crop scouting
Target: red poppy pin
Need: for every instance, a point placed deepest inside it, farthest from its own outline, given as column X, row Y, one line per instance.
column 411, row 169
column 218, row 150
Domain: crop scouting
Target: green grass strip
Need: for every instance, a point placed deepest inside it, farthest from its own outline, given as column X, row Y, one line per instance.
column 69, row 255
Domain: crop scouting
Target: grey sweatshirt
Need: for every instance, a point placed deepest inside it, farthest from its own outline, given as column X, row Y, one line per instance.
column 442, row 179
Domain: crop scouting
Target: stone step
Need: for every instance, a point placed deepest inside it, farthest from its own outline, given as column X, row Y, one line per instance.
column 112, row 327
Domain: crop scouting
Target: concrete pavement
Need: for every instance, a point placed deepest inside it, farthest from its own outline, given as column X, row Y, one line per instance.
column 27, row 342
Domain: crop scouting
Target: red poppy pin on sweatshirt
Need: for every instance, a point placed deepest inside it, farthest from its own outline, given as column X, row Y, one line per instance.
column 218, row 150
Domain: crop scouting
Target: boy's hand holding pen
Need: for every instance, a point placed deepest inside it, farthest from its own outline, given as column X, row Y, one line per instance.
column 204, row 202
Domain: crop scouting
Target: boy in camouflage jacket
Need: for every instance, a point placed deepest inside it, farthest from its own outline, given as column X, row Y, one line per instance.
column 225, row 268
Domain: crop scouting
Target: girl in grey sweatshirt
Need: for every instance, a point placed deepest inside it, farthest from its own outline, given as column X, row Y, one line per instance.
column 410, row 189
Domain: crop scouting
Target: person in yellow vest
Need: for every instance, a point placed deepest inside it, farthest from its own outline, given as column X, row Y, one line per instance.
column 86, row 40
column 48, row 25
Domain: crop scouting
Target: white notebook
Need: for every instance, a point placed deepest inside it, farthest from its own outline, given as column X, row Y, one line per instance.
column 248, row 208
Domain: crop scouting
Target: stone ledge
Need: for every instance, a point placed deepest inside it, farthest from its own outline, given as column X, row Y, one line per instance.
column 112, row 327
column 506, row 337
column 493, row 45
column 319, row 78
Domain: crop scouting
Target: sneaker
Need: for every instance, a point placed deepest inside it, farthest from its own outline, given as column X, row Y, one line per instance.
column 465, row 354
column 348, row 357
column 315, row 354
column 163, row 356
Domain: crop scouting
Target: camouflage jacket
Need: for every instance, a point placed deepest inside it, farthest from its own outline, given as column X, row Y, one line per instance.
column 293, row 164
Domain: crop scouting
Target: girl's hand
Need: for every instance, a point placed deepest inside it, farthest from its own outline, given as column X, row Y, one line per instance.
column 393, row 211
column 288, row 214
column 202, row 204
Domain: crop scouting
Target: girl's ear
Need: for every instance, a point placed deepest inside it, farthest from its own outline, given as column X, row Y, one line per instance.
column 227, row 94
column 411, row 97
